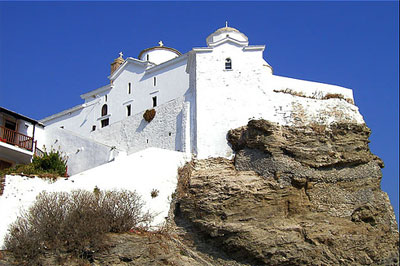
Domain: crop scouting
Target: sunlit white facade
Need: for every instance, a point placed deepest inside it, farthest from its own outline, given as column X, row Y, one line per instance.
column 198, row 96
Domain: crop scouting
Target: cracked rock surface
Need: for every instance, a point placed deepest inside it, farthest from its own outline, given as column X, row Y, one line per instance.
column 293, row 195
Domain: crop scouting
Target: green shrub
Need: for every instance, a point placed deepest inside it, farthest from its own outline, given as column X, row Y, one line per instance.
column 51, row 164
column 74, row 222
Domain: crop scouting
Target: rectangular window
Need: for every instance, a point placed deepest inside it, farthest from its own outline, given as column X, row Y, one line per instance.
column 154, row 101
column 93, row 128
column 129, row 88
column 10, row 125
column 128, row 110
column 104, row 122
column 154, row 81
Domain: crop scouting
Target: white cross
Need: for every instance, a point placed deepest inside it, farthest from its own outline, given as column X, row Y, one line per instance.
column 120, row 54
column 161, row 43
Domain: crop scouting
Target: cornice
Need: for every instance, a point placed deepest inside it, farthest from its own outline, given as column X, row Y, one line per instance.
column 97, row 91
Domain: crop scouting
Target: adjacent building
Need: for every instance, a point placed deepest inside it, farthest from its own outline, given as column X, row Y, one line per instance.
column 17, row 138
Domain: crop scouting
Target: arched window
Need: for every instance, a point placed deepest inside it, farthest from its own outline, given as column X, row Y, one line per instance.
column 104, row 110
column 228, row 63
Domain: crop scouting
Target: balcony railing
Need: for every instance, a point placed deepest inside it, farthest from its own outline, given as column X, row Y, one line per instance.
column 14, row 138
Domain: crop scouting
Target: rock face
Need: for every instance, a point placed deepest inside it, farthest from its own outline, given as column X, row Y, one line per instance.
column 293, row 195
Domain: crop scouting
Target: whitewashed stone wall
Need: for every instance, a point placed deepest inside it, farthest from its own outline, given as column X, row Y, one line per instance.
column 172, row 82
column 82, row 153
column 166, row 130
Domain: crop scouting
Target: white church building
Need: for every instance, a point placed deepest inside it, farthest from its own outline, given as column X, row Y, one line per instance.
column 197, row 97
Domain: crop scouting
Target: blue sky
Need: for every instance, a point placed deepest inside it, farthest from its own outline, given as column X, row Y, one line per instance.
column 51, row 52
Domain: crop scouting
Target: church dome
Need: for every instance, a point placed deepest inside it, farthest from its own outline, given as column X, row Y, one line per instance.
column 158, row 54
column 225, row 29
column 224, row 33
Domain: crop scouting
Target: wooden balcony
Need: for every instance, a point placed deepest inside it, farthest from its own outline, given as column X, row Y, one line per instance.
column 15, row 138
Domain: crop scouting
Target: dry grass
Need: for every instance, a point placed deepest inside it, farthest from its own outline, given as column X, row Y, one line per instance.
column 291, row 92
column 154, row 193
column 318, row 128
column 184, row 174
column 333, row 96
column 326, row 97
column 74, row 222
column 149, row 115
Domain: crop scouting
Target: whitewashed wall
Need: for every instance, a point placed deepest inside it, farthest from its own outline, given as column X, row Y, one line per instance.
column 40, row 136
column 78, row 120
column 172, row 82
column 227, row 99
column 166, row 130
column 82, row 153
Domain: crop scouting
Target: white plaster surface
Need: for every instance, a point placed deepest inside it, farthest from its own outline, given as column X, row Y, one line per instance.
column 143, row 171
column 172, row 82
column 134, row 133
column 227, row 99
column 82, row 153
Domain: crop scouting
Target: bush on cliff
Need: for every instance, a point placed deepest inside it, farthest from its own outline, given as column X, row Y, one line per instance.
column 74, row 222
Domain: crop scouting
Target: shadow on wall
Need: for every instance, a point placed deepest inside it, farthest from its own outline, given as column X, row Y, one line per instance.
column 143, row 124
column 178, row 132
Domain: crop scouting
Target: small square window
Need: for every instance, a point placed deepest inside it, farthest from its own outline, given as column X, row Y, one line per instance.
column 228, row 64
column 105, row 122
column 154, row 101
column 93, row 128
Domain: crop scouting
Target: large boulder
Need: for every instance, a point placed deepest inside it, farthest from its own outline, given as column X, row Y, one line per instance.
column 293, row 195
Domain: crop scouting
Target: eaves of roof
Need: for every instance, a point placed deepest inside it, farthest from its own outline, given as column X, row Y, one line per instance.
column 228, row 39
column 135, row 61
column 167, row 63
column 70, row 110
column 19, row 116
column 96, row 91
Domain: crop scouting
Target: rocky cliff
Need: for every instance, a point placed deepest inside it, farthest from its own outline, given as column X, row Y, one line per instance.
column 301, row 195
column 306, row 195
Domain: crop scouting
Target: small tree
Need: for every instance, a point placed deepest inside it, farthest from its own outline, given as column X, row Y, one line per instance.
column 51, row 162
